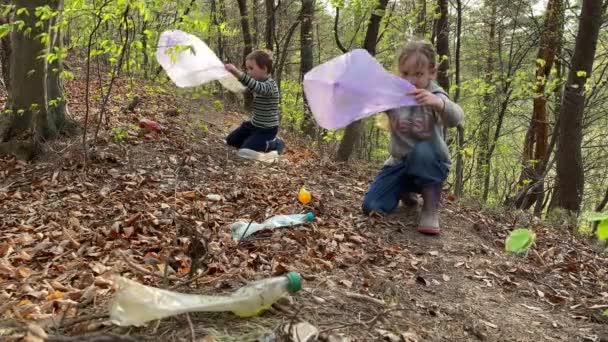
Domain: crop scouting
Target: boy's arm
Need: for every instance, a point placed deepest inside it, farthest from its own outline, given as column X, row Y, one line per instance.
column 452, row 114
column 258, row 87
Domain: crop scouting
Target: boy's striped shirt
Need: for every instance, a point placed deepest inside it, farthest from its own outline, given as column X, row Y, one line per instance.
column 265, row 101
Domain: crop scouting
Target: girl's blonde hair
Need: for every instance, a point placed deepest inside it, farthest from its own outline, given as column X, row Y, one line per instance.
column 421, row 48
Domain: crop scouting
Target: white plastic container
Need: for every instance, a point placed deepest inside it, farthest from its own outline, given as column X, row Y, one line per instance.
column 136, row 304
column 240, row 231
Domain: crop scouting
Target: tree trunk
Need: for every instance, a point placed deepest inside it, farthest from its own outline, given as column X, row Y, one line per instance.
column 5, row 55
column 443, row 50
column 570, row 173
column 353, row 131
column 535, row 149
column 270, row 23
column 420, row 29
column 28, row 97
column 248, row 48
column 256, row 24
column 459, row 181
column 307, row 57
column 483, row 159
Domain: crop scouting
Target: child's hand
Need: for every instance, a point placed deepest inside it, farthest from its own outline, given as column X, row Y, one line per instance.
column 426, row 98
column 233, row 70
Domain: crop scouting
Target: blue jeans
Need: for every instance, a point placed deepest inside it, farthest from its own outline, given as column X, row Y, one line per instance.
column 421, row 168
column 255, row 138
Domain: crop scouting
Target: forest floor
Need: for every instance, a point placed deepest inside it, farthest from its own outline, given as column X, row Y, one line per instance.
column 142, row 203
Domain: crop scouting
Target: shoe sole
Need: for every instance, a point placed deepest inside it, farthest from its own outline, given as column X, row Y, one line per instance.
column 429, row 230
column 254, row 155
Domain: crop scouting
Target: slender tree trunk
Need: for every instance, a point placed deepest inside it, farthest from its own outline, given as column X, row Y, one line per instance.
column 535, row 149
column 570, row 173
column 483, row 159
column 420, row 29
column 353, row 131
column 443, row 49
column 248, row 48
column 270, row 23
column 459, row 182
column 307, row 57
column 256, row 24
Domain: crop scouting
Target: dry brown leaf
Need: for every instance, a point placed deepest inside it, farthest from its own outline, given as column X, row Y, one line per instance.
column 55, row 295
column 24, row 272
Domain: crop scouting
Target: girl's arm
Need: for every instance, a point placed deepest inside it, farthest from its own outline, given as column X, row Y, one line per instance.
column 451, row 113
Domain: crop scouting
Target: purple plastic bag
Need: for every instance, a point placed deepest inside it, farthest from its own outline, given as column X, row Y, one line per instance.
column 351, row 87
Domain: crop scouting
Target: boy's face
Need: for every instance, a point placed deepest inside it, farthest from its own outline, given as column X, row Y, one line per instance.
column 255, row 71
column 417, row 70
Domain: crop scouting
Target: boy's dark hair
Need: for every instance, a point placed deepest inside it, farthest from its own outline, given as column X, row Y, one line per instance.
column 262, row 58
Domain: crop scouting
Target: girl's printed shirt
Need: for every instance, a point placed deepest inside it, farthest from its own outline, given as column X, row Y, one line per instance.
column 410, row 125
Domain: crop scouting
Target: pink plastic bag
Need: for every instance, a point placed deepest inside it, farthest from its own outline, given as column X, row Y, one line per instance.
column 351, row 87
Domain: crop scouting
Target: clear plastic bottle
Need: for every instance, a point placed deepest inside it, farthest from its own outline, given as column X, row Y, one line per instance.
column 241, row 230
column 136, row 304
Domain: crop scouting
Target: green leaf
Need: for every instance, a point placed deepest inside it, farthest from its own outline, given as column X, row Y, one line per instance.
column 602, row 230
column 581, row 73
column 520, row 240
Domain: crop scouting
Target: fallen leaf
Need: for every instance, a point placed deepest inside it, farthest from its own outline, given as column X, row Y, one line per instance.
column 534, row 308
column 187, row 195
column 24, row 272
column 434, row 253
column 346, row 283
column 446, row 277
column 55, row 295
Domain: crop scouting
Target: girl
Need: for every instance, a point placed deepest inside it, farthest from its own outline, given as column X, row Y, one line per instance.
column 257, row 137
column 419, row 158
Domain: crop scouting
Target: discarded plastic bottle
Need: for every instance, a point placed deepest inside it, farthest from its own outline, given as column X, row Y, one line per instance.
column 136, row 304
column 151, row 125
column 241, row 230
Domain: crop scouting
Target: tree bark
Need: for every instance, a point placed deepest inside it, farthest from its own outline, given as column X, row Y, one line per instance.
column 353, row 131
column 5, row 55
column 459, row 181
column 248, row 48
column 570, row 173
column 420, row 29
column 535, row 153
column 307, row 57
column 270, row 23
column 28, row 97
column 483, row 159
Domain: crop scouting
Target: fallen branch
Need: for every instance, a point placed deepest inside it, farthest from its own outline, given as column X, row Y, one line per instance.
column 140, row 269
column 365, row 298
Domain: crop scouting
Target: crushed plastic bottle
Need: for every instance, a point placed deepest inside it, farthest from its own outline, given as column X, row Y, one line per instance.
column 136, row 304
column 240, row 230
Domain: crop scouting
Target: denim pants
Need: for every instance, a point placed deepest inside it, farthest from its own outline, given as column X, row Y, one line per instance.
column 255, row 138
column 423, row 167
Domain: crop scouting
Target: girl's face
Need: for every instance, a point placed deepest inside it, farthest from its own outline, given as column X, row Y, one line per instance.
column 255, row 71
column 417, row 70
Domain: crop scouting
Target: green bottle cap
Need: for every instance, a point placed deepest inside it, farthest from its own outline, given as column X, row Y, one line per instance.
column 295, row 282
column 310, row 216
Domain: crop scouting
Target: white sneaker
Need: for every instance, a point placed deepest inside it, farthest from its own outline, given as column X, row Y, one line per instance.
column 269, row 157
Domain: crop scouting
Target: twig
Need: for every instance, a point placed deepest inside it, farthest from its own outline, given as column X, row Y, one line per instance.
column 370, row 324
column 143, row 270
column 191, row 327
column 190, row 281
column 365, row 298
column 244, row 233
